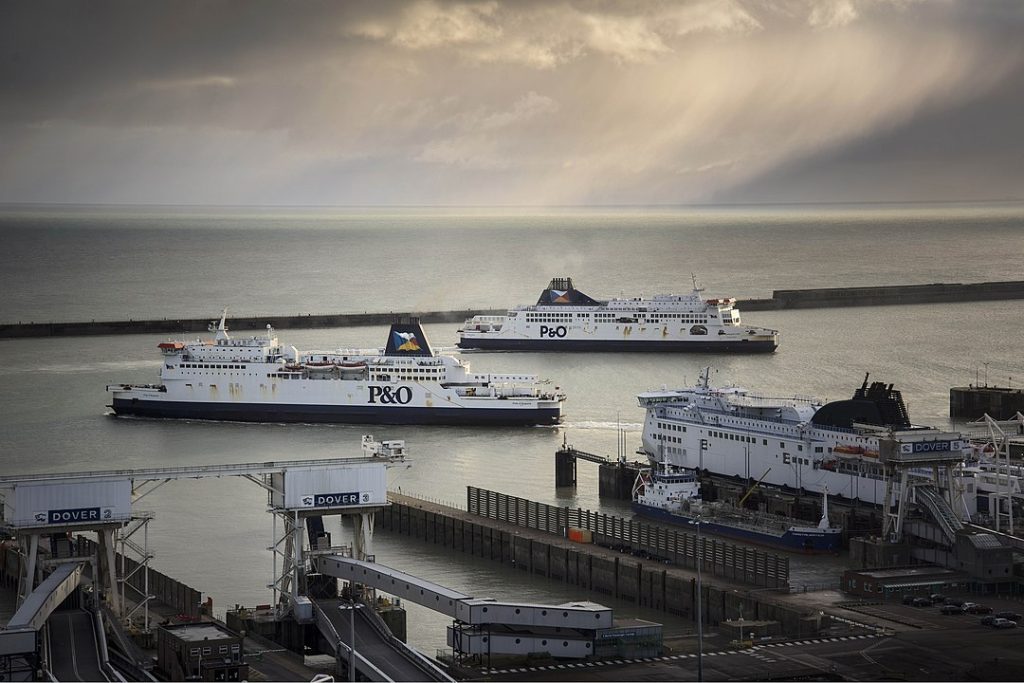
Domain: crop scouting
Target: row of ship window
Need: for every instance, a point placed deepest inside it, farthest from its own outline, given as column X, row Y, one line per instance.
column 208, row 366
column 610, row 317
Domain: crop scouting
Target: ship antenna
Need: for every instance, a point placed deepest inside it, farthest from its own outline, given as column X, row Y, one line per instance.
column 221, row 328
column 824, row 523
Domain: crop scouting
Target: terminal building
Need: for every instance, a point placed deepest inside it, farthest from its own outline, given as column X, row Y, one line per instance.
column 200, row 652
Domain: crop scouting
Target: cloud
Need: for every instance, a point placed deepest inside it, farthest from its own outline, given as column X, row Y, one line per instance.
column 526, row 102
column 832, row 13
column 484, row 138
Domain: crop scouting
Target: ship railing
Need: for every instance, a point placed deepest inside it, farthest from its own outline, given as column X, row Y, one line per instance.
column 487, row 319
column 772, row 401
column 697, row 415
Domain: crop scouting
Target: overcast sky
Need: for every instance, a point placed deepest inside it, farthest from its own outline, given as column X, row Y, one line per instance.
column 505, row 102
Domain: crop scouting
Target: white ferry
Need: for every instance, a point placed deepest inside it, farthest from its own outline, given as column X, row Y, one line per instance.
column 797, row 442
column 566, row 319
column 255, row 379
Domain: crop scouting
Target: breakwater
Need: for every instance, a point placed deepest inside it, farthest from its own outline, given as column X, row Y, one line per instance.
column 252, row 322
column 885, row 295
column 781, row 299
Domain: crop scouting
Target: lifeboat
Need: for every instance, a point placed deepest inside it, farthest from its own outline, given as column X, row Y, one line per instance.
column 850, row 450
column 870, row 453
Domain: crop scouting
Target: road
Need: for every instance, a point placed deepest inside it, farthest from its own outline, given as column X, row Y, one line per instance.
column 73, row 650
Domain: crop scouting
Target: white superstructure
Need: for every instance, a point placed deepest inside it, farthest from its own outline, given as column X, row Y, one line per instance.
column 566, row 319
column 257, row 379
column 794, row 442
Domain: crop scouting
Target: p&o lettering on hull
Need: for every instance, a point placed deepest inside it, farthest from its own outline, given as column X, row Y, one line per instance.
column 387, row 395
column 552, row 332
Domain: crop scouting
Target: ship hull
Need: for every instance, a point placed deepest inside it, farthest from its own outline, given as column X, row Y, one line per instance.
column 305, row 413
column 805, row 541
column 666, row 346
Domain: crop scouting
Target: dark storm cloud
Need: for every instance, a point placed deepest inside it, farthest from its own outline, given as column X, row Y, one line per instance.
column 507, row 102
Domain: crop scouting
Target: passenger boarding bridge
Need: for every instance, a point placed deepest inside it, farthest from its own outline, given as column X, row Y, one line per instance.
column 40, row 507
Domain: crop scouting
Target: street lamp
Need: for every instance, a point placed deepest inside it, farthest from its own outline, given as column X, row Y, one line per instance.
column 700, row 611
column 351, row 607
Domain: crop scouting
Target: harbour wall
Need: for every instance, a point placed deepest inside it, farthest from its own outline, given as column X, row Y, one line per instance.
column 646, row 581
column 834, row 297
column 187, row 325
column 781, row 299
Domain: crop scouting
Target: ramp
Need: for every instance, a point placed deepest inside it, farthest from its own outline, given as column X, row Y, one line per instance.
column 932, row 501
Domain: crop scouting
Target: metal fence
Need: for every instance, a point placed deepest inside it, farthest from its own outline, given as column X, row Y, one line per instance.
column 720, row 558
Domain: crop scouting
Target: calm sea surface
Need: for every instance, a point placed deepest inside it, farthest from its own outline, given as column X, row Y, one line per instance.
column 84, row 264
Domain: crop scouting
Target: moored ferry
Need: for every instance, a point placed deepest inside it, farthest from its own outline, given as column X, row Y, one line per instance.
column 799, row 443
column 566, row 319
column 256, row 379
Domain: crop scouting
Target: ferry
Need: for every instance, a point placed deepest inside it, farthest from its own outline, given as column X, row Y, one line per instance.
column 256, row 379
column 800, row 442
column 566, row 319
column 672, row 495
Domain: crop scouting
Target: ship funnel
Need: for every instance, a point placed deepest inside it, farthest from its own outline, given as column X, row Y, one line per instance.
column 561, row 292
column 407, row 338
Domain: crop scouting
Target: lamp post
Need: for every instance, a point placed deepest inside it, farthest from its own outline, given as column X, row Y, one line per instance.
column 351, row 607
column 700, row 611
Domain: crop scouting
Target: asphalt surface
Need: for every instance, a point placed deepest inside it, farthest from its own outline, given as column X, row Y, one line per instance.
column 73, row 649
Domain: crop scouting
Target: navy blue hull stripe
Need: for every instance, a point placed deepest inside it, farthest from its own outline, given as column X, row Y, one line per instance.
column 255, row 412
column 816, row 543
column 616, row 345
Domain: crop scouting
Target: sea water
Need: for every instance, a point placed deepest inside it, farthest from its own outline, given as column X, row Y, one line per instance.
column 115, row 263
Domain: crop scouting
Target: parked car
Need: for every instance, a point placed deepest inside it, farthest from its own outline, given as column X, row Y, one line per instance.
column 936, row 598
column 955, row 601
column 908, row 599
column 975, row 608
column 922, row 602
column 987, row 621
column 1004, row 623
column 1012, row 616
column 951, row 609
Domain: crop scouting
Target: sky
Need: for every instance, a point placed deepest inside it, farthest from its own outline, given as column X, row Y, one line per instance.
column 511, row 103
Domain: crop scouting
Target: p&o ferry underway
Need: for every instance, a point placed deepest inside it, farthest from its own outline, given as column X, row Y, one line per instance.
column 566, row 319
column 799, row 443
column 255, row 379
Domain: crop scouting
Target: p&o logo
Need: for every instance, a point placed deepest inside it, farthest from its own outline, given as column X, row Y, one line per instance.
column 552, row 332
column 387, row 395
